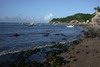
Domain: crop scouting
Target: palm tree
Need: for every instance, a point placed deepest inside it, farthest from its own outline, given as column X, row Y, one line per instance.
column 97, row 9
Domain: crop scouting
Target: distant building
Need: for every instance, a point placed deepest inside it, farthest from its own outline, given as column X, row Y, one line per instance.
column 87, row 21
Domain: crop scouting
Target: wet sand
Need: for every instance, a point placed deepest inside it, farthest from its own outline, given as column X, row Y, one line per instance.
column 84, row 54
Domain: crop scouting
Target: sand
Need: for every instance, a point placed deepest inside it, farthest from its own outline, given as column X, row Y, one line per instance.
column 84, row 54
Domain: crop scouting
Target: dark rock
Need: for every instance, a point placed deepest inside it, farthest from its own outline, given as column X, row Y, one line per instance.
column 46, row 64
column 64, row 39
column 53, row 42
column 67, row 61
column 58, row 61
column 87, row 52
column 77, row 52
column 57, row 34
column 60, row 34
column 86, row 46
column 91, row 34
column 16, row 35
column 53, row 53
column 73, row 48
column 46, row 35
column 76, row 42
column 70, row 57
column 83, row 31
column 73, row 56
column 57, row 45
column 75, row 60
column 97, row 51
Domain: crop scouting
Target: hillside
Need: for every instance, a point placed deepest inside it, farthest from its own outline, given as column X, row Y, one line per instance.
column 79, row 16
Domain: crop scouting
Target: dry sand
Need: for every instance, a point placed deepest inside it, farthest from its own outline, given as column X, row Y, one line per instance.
column 85, row 54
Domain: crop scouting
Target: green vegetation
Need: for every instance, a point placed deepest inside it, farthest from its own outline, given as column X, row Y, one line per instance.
column 97, row 9
column 79, row 16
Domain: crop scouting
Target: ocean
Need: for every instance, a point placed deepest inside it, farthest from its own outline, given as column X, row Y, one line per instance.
column 37, row 36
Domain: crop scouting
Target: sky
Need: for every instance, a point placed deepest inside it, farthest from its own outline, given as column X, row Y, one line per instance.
column 43, row 10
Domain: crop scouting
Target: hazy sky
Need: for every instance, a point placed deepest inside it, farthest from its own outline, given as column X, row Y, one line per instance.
column 43, row 10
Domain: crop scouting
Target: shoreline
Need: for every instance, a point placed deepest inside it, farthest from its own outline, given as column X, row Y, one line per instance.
column 86, row 53
column 54, row 57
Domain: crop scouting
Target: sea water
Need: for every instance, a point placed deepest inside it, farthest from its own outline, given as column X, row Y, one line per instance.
column 37, row 36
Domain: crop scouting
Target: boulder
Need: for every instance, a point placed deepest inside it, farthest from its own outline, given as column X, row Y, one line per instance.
column 96, row 19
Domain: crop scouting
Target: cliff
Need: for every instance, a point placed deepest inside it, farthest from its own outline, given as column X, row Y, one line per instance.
column 96, row 19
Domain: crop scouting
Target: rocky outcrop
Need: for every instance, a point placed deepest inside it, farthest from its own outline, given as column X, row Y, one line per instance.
column 74, row 21
column 96, row 19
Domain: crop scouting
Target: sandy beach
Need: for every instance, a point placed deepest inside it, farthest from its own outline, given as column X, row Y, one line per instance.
column 84, row 54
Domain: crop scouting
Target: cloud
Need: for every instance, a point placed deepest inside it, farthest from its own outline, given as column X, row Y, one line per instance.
column 48, row 17
column 22, row 18
column 17, row 19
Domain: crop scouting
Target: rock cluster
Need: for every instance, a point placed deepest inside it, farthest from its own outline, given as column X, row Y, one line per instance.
column 96, row 19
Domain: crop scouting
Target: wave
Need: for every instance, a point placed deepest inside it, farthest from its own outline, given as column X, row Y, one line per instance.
column 36, row 37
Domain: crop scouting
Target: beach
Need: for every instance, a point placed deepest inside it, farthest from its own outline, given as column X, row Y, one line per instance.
column 83, row 51
column 84, row 54
column 50, row 33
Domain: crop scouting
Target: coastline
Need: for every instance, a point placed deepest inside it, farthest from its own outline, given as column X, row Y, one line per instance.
column 59, row 55
column 86, row 53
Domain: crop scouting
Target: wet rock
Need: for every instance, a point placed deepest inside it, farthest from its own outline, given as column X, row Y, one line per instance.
column 97, row 51
column 77, row 52
column 62, row 48
column 64, row 39
column 83, row 31
column 90, row 34
column 76, row 42
column 70, row 57
column 75, row 60
column 57, row 45
column 46, row 64
column 53, row 42
column 30, row 52
column 86, row 46
column 65, row 49
column 73, row 48
column 53, row 53
column 46, row 35
column 73, row 56
column 60, row 34
column 86, row 34
column 16, row 35
column 67, row 61
column 58, row 61
column 87, row 52
column 57, row 34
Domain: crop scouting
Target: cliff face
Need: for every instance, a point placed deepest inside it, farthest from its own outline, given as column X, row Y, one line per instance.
column 96, row 19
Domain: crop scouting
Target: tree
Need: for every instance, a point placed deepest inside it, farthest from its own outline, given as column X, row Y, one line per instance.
column 79, row 16
column 97, row 9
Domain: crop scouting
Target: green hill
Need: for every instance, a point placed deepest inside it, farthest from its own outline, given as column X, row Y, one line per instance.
column 79, row 16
